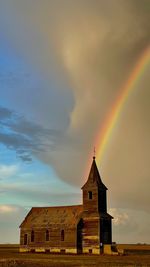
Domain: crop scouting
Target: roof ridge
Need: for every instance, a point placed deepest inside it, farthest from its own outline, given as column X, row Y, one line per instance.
column 69, row 206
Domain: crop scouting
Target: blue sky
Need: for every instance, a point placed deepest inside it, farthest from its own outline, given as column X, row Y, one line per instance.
column 26, row 182
column 62, row 65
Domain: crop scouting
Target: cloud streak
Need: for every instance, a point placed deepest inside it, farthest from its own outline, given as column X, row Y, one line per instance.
column 8, row 209
column 7, row 171
column 25, row 137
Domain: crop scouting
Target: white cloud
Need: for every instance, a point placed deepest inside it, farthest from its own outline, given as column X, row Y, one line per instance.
column 7, row 171
column 8, row 209
column 120, row 217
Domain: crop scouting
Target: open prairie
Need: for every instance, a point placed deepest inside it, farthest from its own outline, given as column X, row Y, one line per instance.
column 137, row 255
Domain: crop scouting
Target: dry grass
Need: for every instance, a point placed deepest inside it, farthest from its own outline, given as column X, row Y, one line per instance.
column 134, row 246
column 10, row 257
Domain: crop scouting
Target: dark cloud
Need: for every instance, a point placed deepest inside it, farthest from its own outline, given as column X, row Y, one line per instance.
column 25, row 137
column 5, row 113
column 25, row 157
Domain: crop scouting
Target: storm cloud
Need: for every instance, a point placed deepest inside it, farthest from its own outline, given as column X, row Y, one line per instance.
column 25, row 137
column 83, row 52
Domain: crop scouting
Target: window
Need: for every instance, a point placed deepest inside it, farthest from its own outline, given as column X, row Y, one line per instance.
column 25, row 239
column 32, row 236
column 47, row 235
column 62, row 235
column 90, row 194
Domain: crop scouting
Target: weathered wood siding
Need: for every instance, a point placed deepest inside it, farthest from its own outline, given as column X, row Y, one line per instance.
column 91, row 235
column 70, row 238
column 90, row 205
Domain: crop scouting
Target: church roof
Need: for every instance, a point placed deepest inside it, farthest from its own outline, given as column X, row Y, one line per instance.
column 94, row 176
column 47, row 216
column 100, row 215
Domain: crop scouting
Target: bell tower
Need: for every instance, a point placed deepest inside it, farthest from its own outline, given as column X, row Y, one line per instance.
column 97, row 222
column 94, row 192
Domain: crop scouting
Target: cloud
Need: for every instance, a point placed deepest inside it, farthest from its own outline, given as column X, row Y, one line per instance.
column 11, row 217
column 41, row 194
column 126, row 225
column 5, row 113
column 120, row 217
column 8, row 209
column 90, row 48
column 130, row 226
column 25, row 137
column 7, row 171
column 94, row 53
column 25, row 158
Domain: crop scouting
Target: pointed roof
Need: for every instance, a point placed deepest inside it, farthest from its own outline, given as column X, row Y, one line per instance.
column 94, row 176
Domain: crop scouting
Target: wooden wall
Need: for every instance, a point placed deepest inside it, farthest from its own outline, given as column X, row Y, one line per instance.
column 90, row 205
column 91, row 240
column 70, row 238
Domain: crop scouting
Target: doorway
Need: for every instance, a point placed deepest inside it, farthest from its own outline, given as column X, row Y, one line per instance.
column 79, row 236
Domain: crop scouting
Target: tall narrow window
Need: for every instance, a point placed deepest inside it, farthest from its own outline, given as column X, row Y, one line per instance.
column 62, row 235
column 90, row 194
column 32, row 236
column 25, row 239
column 47, row 235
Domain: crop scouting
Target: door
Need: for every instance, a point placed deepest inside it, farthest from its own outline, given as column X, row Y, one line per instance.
column 79, row 236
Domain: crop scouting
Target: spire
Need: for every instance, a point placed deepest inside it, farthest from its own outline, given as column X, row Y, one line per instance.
column 94, row 176
column 94, row 153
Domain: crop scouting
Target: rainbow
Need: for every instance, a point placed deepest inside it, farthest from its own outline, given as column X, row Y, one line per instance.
column 105, row 132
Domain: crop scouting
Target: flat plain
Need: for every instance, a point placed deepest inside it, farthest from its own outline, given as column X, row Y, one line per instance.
column 136, row 255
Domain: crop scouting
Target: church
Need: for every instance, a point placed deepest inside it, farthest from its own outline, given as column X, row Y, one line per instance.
column 77, row 229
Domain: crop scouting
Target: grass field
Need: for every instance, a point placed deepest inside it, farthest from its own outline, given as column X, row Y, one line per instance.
column 10, row 257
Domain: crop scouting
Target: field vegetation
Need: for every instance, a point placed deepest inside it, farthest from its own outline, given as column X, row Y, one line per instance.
column 138, row 255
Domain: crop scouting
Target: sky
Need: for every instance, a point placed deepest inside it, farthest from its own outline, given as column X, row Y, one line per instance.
column 62, row 65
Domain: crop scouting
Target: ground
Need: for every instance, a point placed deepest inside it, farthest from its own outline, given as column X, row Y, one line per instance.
column 10, row 257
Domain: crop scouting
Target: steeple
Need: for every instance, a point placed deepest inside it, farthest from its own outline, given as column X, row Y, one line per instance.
column 94, row 191
column 94, row 177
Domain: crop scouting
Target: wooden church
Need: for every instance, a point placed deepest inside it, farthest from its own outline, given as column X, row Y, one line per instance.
column 85, row 228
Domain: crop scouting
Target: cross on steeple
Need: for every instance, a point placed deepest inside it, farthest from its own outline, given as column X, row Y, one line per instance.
column 94, row 153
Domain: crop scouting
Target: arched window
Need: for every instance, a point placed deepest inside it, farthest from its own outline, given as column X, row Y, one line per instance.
column 32, row 236
column 25, row 239
column 47, row 235
column 62, row 235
